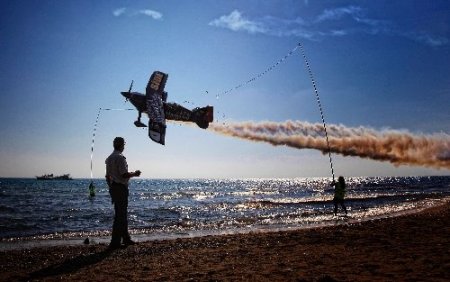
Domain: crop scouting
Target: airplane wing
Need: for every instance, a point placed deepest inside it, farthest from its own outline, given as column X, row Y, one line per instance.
column 155, row 97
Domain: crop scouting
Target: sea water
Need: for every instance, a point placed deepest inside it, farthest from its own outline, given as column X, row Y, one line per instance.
column 165, row 208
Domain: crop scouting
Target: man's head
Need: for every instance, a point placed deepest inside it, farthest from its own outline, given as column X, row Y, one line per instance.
column 119, row 144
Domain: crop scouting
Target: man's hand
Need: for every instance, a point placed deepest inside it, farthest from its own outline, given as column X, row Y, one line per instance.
column 137, row 173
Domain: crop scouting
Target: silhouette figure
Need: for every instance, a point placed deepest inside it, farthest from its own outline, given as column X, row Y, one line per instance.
column 339, row 194
column 117, row 177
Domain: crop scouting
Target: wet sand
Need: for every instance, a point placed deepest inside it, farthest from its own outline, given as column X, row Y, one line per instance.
column 413, row 247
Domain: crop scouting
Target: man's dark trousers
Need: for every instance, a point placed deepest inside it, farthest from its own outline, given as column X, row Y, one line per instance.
column 119, row 196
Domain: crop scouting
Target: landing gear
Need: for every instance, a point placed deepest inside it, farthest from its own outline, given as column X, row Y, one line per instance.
column 139, row 123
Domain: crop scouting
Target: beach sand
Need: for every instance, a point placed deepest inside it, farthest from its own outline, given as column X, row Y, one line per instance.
column 413, row 247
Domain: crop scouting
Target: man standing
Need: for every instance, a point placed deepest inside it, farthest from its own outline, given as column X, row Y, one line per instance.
column 339, row 194
column 117, row 177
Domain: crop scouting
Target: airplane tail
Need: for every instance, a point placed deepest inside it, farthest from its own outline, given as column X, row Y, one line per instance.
column 203, row 116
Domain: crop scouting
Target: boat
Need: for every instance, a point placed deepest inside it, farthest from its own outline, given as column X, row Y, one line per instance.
column 52, row 177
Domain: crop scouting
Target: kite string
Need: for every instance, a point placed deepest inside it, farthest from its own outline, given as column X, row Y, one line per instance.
column 95, row 131
column 93, row 138
column 319, row 103
column 271, row 68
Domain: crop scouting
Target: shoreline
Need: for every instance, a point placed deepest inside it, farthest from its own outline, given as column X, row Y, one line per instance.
column 46, row 241
column 413, row 246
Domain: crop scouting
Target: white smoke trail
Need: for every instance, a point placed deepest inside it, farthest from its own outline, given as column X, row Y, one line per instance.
column 395, row 146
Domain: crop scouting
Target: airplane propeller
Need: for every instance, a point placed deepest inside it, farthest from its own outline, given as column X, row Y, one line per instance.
column 129, row 90
column 131, row 86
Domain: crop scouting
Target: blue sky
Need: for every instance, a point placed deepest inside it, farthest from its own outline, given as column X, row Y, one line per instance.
column 378, row 64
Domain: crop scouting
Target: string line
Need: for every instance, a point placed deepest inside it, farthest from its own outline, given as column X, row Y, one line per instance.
column 319, row 104
column 271, row 68
column 95, row 131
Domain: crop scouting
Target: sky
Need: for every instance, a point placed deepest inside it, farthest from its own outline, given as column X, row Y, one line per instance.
column 377, row 64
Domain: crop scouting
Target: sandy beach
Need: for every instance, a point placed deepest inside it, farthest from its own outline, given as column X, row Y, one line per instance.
column 413, row 247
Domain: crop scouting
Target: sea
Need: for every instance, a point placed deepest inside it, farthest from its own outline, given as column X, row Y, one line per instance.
column 52, row 212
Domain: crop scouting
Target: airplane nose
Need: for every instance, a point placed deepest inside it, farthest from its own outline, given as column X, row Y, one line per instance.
column 126, row 94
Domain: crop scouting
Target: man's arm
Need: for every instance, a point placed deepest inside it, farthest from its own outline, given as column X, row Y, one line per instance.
column 136, row 173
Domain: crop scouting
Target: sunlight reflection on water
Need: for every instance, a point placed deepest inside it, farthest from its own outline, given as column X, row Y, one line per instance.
column 58, row 209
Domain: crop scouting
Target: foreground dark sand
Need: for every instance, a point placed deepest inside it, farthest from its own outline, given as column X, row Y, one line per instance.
column 406, row 248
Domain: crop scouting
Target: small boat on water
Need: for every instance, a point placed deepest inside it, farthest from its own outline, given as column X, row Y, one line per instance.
column 52, row 177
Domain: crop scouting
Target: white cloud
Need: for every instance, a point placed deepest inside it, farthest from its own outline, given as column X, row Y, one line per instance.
column 338, row 13
column 358, row 18
column 133, row 12
column 433, row 41
column 236, row 22
column 268, row 25
column 118, row 12
column 350, row 19
column 339, row 32
column 153, row 14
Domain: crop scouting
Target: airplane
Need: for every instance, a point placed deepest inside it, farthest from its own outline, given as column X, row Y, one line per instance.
column 154, row 104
